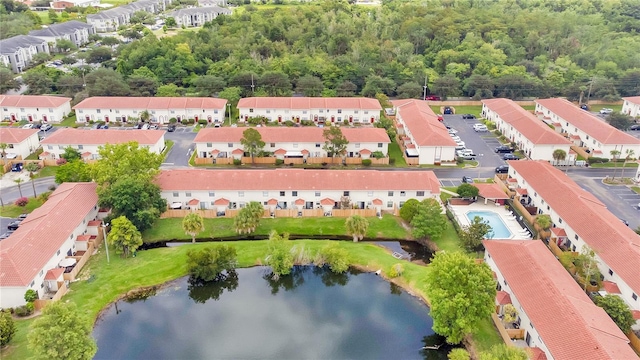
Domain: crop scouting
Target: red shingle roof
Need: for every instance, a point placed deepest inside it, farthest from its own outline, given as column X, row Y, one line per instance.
column 636, row 314
column 525, row 122
column 193, row 202
column 41, row 234
column 237, row 152
column 272, row 202
column 422, row 123
column 54, row 274
column 491, row 191
column 377, row 202
column 503, row 298
column 301, row 103
column 221, row 201
column 537, row 354
column 617, row 245
column 15, row 136
column 569, row 323
column 587, row 122
column 71, row 136
column 297, row 179
column 327, row 201
column 299, row 202
column 116, row 102
column 632, row 99
column 290, row 134
column 33, row 101
column 611, row 287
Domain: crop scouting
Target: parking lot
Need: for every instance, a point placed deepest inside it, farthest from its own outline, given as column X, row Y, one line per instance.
column 482, row 143
column 627, row 196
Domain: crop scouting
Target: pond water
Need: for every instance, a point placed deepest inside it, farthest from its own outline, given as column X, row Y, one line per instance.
column 312, row 313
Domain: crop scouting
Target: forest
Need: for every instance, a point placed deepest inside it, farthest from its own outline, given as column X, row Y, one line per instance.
column 470, row 48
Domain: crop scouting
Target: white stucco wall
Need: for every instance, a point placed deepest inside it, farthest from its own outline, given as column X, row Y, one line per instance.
column 315, row 149
column 58, row 149
column 630, row 108
column 338, row 115
column 157, row 115
column 44, row 114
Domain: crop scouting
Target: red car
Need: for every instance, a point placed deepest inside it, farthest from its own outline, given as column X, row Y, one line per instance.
column 432, row 98
column 440, row 118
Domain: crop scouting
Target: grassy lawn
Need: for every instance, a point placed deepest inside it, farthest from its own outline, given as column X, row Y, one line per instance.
column 170, row 229
column 44, row 17
column 636, row 189
column 396, row 153
column 68, row 122
column 528, row 107
column 449, row 241
column 168, row 144
column 486, row 336
column 47, row 171
column 35, row 155
column 598, row 107
column 613, row 165
column 14, row 210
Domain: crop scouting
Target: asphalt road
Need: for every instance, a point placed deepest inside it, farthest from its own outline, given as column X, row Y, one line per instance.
column 183, row 145
column 482, row 143
column 12, row 193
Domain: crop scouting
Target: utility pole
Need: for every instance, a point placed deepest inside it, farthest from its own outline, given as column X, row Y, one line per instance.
column 252, row 85
column 424, row 95
column 590, row 86
column 106, row 245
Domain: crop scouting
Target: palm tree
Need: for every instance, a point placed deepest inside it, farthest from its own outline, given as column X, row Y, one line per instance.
column 243, row 222
column 3, row 148
column 32, row 168
column 559, row 155
column 629, row 156
column 357, row 227
column 19, row 181
column 614, row 156
column 193, row 224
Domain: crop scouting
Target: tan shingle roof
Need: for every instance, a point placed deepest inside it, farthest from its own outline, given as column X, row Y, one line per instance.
column 569, row 323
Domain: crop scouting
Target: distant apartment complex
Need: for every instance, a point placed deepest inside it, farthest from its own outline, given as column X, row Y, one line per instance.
column 535, row 138
column 110, row 20
column 60, row 5
column 32, row 108
column 75, row 31
column 197, row 16
column 300, row 189
column 17, row 52
column 586, row 130
column 422, row 136
column 317, row 109
column 300, row 142
column 160, row 109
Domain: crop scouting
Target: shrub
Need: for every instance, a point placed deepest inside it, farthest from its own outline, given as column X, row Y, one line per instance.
column 173, row 121
column 61, row 161
column 191, row 121
column 392, row 161
column 459, row 160
column 202, row 122
column 396, row 270
column 279, row 161
column 458, row 354
column 184, row 121
column 345, row 122
column 289, row 123
column 52, row 187
column 237, row 162
column 30, row 296
column 377, row 154
column 366, row 162
column 44, row 196
column 23, row 201
column 597, row 160
column 307, row 123
column 7, row 328
column 23, row 310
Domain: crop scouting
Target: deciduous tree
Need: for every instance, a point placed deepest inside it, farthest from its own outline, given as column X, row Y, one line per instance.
column 335, row 143
column 62, row 333
column 7, row 81
column 192, row 224
column 619, row 121
column 462, row 294
column 336, row 257
column 409, row 210
column 125, row 159
column 467, row 191
column 472, row 235
column 252, row 142
column 209, row 85
column 279, row 256
column 428, row 220
column 504, row 352
column 124, row 236
column 73, row 171
column 309, row 85
column 7, row 328
column 210, row 263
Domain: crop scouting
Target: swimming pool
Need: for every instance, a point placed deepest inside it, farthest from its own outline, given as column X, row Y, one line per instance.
column 500, row 230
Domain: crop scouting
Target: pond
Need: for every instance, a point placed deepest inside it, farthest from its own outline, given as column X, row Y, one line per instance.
column 311, row 313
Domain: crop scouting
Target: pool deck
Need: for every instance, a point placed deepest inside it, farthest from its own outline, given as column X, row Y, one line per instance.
column 507, row 218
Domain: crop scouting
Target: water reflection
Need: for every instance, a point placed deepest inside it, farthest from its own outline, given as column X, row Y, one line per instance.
column 201, row 291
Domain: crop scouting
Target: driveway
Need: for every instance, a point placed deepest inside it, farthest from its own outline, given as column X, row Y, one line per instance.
column 482, row 143
column 183, row 145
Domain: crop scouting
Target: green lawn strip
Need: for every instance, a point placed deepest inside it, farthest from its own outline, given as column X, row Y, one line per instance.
column 11, row 210
column 528, row 107
column 68, row 122
column 614, row 165
column 636, row 189
column 449, row 241
column 486, row 336
column 168, row 144
column 171, row 228
column 47, row 171
column 598, row 107
column 396, row 153
column 35, row 155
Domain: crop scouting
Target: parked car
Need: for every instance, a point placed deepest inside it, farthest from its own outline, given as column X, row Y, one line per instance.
column 510, row 156
column 27, row 126
column 503, row 149
column 467, row 180
column 139, row 126
column 635, row 127
column 625, row 222
column 606, row 111
column 57, row 62
column 460, row 147
column 145, row 127
column 452, row 131
column 440, row 118
column 466, row 154
column 432, row 98
column 502, row 169
column 468, row 116
column 480, row 127
column 171, row 128
column 448, row 110
column 455, row 137
column 104, row 127
column 584, row 107
column 46, row 127
column 4, row 236
column 217, row 125
column 17, row 167
column 22, row 216
column 13, row 225
column 461, row 143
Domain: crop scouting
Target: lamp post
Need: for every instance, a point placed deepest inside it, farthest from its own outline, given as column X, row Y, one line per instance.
column 229, row 109
column 106, row 245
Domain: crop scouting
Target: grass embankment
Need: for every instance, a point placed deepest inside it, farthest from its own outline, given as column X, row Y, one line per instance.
column 636, row 189
column 13, row 210
column 171, row 228
column 68, row 122
column 108, row 282
column 614, row 165
column 396, row 153
column 47, row 171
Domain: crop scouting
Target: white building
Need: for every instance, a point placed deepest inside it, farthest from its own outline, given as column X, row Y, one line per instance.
column 296, row 188
column 423, row 135
column 160, row 109
column 20, row 142
column 535, row 138
column 51, row 109
column 197, row 16
column 554, row 312
column 585, row 129
column 289, row 142
column 75, row 31
column 112, row 19
column 586, row 223
column 48, row 235
column 207, row 3
column 631, row 106
column 17, row 52
column 317, row 109
column 88, row 142
column 60, row 5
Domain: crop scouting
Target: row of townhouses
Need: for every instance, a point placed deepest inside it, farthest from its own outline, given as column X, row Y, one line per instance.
column 20, row 142
column 60, row 5
column 197, row 16
column 112, row 19
column 631, row 106
column 17, row 52
column 34, row 108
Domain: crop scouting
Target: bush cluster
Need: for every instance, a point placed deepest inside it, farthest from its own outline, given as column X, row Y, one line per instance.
column 23, row 201
column 597, row 160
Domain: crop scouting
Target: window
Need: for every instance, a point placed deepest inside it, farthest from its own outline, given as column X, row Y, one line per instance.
column 294, row 193
column 390, row 193
column 403, row 193
column 634, row 296
column 339, row 111
column 366, row 112
column 379, row 145
column 230, row 144
column 175, row 194
column 187, row 194
column 357, row 145
column 355, row 111
column 273, row 145
column 295, row 145
column 98, row 111
column 172, row 111
column 346, row 193
column 401, row 204
column 80, row 147
column 49, row 147
column 282, row 193
column 50, row 110
column 265, row 193
column 209, row 145
column 320, row 111
column 268, row 111
column 370, row 193
column 304, row 111
column 419, row 193
column 212, row 194
column 240, row 193
column 34, row 282
column 318, row 193
column 576, row 236
column 389, row 204
column 548, row 208
column 560, row 220
column 58, row 252
column 610, row 272
column 250, row 110
column 317, row 145
column 41, row 272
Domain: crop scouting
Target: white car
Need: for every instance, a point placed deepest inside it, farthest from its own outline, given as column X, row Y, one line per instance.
column 606, row 111
column 461, row 143
column 480, row 127
column 452, row 131
column 455, row 138
column 27, row 126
